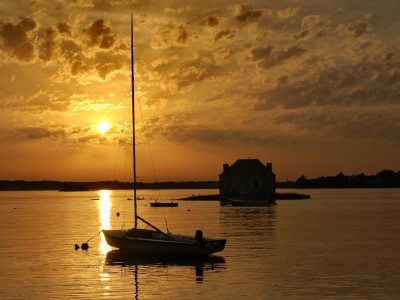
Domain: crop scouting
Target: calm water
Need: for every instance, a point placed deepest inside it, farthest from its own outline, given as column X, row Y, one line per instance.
column 340, row 244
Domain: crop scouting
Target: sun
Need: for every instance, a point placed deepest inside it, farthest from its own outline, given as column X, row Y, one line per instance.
column 103, row 127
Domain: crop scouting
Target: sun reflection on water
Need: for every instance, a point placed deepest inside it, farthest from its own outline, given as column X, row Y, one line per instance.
column 104, row 205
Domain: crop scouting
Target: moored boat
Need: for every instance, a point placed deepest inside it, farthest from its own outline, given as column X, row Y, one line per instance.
column 158, row 243
column 246, row 202
column 154, row 241
column 163, row 204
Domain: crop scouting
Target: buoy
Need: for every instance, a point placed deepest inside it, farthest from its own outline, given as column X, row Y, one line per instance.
column 76, row 247
column 85, row 246
column 117, row 214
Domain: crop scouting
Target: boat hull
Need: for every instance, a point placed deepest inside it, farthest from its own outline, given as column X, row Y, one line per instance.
column 163, row 204
column 149, row 242
column 246, row 202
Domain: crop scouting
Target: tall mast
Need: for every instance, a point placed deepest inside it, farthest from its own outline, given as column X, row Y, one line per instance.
column 133, row 125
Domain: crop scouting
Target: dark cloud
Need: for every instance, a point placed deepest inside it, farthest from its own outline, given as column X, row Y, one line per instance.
column 348, row 123
column 107, row 63
column 313, row 26
column 211, row 21
column 368, row 125
column 172, row 35
column 228, row 34
column 246, row 13
column 89, row 138
column 47, row 45
column 64, row 28
column 98, row 34
column 14, row 38
column 24, row 51
column 261, row 52
column 373, row 81
column 290, row 97
column 70, row 49
column 291, row 51
column 79, row 66
column 310, row 121
column 182, row 134
column 301, row 34
column 177, row 129
column 267, row 57
column 357, row 28
column 183, row 35
column 194, row 72
column 36, row 133
column 189, row 76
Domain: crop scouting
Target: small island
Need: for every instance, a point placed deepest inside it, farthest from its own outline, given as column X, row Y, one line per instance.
column 278, row 196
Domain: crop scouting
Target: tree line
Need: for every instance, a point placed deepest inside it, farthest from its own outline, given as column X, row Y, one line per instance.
column 383, row 179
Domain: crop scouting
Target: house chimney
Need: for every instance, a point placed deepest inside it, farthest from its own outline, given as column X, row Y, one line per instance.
column 269, row 167
column 226, row 167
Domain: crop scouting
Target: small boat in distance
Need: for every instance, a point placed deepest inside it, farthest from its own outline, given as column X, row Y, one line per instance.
column 163, row 204
column 155, row 242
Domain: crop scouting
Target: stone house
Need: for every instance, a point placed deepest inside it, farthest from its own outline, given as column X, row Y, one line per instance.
column 247, row 179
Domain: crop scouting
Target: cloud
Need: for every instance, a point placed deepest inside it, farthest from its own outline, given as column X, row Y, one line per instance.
column 191, row 129
column 70, row 49
column 109, row 64
column 172, row 35
column 14, row 39
column 297, row 69
column 79, row 66
column 227, row 34
column 58, row 44
column 267, row 57
column 211, row 21
column 163, row 61
column 313, row 26
column 247, row 13
column 36, row 133
column 193, row 72
column 47, row 45
column 88, row 138
column 357, row 28
column 64, row 28
column 372, row 81
column 188, row 76
column 288, row 12
column 349, row 123
column 98, row 34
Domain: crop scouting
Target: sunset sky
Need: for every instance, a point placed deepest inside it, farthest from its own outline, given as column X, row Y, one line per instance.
column 311, row 86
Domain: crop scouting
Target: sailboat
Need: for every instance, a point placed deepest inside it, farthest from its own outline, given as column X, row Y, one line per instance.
column 153, row 241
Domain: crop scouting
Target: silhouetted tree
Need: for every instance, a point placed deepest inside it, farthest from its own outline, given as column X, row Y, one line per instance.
column 387, row 178
column 301, row 181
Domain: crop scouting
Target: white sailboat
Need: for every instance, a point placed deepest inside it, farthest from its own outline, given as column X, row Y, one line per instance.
column 153, row 241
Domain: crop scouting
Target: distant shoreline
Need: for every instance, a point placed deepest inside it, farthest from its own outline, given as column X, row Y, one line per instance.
column 383, row 179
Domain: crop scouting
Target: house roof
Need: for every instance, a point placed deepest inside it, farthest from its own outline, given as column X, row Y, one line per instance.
column 246, row 167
